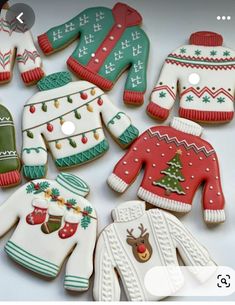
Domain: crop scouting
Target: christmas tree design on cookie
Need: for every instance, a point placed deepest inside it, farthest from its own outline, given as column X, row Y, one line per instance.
column 173, row 176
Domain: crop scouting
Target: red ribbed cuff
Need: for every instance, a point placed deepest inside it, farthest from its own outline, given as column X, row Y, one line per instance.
column 133, row 98
column 88, row 75
column 32, row 76
column 10, row 178
column 204, row 38
column 45, row 44
column 157, row 112
column 5, row 77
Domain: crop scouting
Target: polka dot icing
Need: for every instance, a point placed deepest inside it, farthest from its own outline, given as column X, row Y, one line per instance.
column 136, row 160
column 126, row 172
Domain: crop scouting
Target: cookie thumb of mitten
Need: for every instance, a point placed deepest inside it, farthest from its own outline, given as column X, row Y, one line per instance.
column 55, row 219
column 9, row 160
column 72, row 220
column 39, row 214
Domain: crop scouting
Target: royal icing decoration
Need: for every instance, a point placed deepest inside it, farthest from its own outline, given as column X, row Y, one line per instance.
column 178, row 163
column 105, row 48
column 140, row 242
column 9, row 159
column 80, row 104
column 16, row 36
column 193, row 70
column 61, row 221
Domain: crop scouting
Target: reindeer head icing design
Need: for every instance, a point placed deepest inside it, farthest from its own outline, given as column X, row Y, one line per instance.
column 141, row 247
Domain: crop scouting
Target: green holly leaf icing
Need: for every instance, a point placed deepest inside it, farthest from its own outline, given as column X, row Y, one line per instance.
column 86, row 220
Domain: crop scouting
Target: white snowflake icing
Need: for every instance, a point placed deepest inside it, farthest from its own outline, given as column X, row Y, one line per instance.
column 118, row 55
column 137, row 50
column 135, row 81
column 69, row 27
column 57, row 35
column 82, row 51
column 99, row 16
column 89, row 38
column 83, row 20
column 97, row 27
column 110, row 67
column 135, row 35
column 125, row 44
column 138, row 66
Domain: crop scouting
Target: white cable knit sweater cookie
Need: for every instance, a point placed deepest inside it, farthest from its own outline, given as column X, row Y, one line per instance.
column 67, row 116
column 54, row 219
column 135, row 244
column 16, row 37
column 203, row 73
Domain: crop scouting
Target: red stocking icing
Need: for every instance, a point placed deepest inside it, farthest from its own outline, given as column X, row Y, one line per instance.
column 72, row 220
column 38, row 216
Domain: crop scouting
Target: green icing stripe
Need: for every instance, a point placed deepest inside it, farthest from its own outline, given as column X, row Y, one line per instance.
column 73, row 183
column 77, row 277
column 31, row 255
column 85, row 156
column 34, row 172
column 128, row 135
column 79, row 286
column 28, row 265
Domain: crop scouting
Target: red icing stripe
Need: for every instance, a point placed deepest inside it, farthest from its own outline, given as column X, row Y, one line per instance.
column 199, row 93
column 32, row 76
column 45, row 44
column 167, row 88
column 206, row 116
column 5, row 76
column 200, row 66
column 90, row 76
column 157, row 112
column 10, row 178
column 133, row 97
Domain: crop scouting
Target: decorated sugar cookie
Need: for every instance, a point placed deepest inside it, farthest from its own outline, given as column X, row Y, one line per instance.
column 9, row 159
column 67, row 116
column 55, row 219
column 141, row 246
column 203, row 73
column 176, row 162
column 16, row 38
column 110, row 41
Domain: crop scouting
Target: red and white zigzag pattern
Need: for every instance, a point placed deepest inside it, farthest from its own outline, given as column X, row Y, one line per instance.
column 167, row 88
column 207, row 90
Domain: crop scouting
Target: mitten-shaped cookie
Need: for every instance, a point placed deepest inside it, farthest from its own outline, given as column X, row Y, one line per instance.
column 15, row 37
column 110, row 41
column 139, row 243
column 9, row 160
column 68, row 116
column 177, row 161
column 203, row 73
column 55, row 222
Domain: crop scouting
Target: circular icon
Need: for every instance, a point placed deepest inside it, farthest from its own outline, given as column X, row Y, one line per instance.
column 21, row 17
column 68, row 128
column 194, row 79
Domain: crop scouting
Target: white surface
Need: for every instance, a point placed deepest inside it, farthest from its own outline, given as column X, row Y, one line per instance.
column 168, row 24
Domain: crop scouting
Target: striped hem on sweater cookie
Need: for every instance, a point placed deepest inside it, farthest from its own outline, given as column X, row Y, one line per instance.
column 31, row 261
column 72, row 281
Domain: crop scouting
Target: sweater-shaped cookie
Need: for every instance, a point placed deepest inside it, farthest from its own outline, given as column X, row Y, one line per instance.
column 140, row 243
column 110, row 41
column 9, row 160
column 176, row 162
column 17, row 43
column 203, row 73
column 55, row 219
column 67, row 115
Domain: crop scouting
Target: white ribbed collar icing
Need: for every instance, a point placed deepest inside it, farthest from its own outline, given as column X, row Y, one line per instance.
column 128, row 211
column 186, row 126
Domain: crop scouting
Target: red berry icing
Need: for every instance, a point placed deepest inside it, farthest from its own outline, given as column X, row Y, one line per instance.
column 100, row 102
column 37, row 186
column 84, row 140
column 32, row 109
column 83, row 95
column 50, row 127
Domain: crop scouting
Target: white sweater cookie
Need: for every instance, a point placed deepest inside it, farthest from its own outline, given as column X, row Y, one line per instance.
column 203, row 73
column 68, row 116
column 55, row 221
column 135, row 244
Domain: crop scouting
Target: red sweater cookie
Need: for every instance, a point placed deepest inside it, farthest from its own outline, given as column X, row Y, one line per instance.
column 176, row 162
